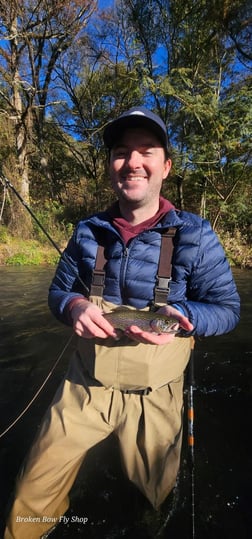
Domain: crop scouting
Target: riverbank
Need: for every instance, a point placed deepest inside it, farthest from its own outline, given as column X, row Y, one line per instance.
column 27, row 253
column 238, row 249
column 19, row 252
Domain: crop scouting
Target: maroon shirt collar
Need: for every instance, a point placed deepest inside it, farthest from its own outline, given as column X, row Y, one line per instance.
column 126, row 230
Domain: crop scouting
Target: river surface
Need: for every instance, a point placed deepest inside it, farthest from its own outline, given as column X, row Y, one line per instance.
column 31, row 341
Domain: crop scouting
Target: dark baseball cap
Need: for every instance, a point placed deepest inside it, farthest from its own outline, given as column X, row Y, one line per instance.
column 135, row 117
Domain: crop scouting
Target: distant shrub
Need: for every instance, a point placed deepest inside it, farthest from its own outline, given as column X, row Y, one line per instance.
column 25, row 259
column 3, row 234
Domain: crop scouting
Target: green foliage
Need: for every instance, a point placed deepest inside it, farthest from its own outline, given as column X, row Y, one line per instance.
column 51, row 217
column 238, row 248
column 188, row 61
column 29, row 253
column 31, row 259
column 24, row 259
column 3, row 234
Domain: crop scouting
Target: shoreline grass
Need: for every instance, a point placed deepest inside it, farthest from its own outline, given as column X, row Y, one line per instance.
column 20, row 252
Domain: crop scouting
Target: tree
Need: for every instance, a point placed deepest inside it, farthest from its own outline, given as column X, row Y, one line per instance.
column 190, row 64
column 98, row 86
column 188, row 61
column 33, row 35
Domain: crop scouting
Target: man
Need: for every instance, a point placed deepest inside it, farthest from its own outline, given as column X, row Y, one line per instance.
column 130, row 385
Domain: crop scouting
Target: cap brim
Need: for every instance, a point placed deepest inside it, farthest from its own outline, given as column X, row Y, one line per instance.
column 113, row 131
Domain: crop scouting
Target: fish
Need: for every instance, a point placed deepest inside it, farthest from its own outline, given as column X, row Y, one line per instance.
column 123, row 317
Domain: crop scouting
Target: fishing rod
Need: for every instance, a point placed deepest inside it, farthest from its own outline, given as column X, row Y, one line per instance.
column 6, row 182
column 190, row 434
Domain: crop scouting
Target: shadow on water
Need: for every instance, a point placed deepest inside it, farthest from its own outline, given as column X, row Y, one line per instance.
column 31, row 341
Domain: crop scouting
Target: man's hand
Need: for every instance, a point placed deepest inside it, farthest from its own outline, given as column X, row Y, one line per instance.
column 88, row 321
column 137, row 334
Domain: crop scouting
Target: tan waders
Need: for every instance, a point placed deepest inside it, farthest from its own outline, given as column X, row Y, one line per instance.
column 148, row 425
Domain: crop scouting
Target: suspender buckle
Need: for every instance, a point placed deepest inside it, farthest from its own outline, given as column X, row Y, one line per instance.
column 163, row 283
column 162, row 289
column 98, row 278
column 97, row 285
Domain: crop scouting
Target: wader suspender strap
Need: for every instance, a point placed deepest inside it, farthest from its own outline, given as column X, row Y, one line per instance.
column 98, row 277
column 164, row 269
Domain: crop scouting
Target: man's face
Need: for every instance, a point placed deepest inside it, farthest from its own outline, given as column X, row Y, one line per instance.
column 138, row 167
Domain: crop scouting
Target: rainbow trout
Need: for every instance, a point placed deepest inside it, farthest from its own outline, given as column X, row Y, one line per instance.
column 123, row 317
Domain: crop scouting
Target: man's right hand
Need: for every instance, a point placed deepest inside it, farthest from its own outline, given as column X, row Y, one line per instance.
column 89, row 322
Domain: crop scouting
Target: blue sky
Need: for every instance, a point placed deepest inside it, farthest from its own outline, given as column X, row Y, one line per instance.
column 102, row 4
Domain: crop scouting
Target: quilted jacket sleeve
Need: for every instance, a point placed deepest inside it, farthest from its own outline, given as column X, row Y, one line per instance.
column 211, row 300
column 67, row 283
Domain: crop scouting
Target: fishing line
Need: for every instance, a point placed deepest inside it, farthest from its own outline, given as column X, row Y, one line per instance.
column 7, row 183
column 38, row 391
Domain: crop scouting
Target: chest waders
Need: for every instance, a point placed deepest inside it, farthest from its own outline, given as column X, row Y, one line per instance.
column 161, row 293
column 125, row 364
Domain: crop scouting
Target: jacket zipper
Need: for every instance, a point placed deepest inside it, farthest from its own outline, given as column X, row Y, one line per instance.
column 125, row 258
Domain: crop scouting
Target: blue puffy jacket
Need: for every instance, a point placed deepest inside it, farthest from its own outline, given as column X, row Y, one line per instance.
column 202, row 284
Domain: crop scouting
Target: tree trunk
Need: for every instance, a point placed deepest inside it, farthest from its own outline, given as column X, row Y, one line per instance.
column 20, row 223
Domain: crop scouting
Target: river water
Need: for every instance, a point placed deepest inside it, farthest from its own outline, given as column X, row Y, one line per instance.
column 103, row 503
